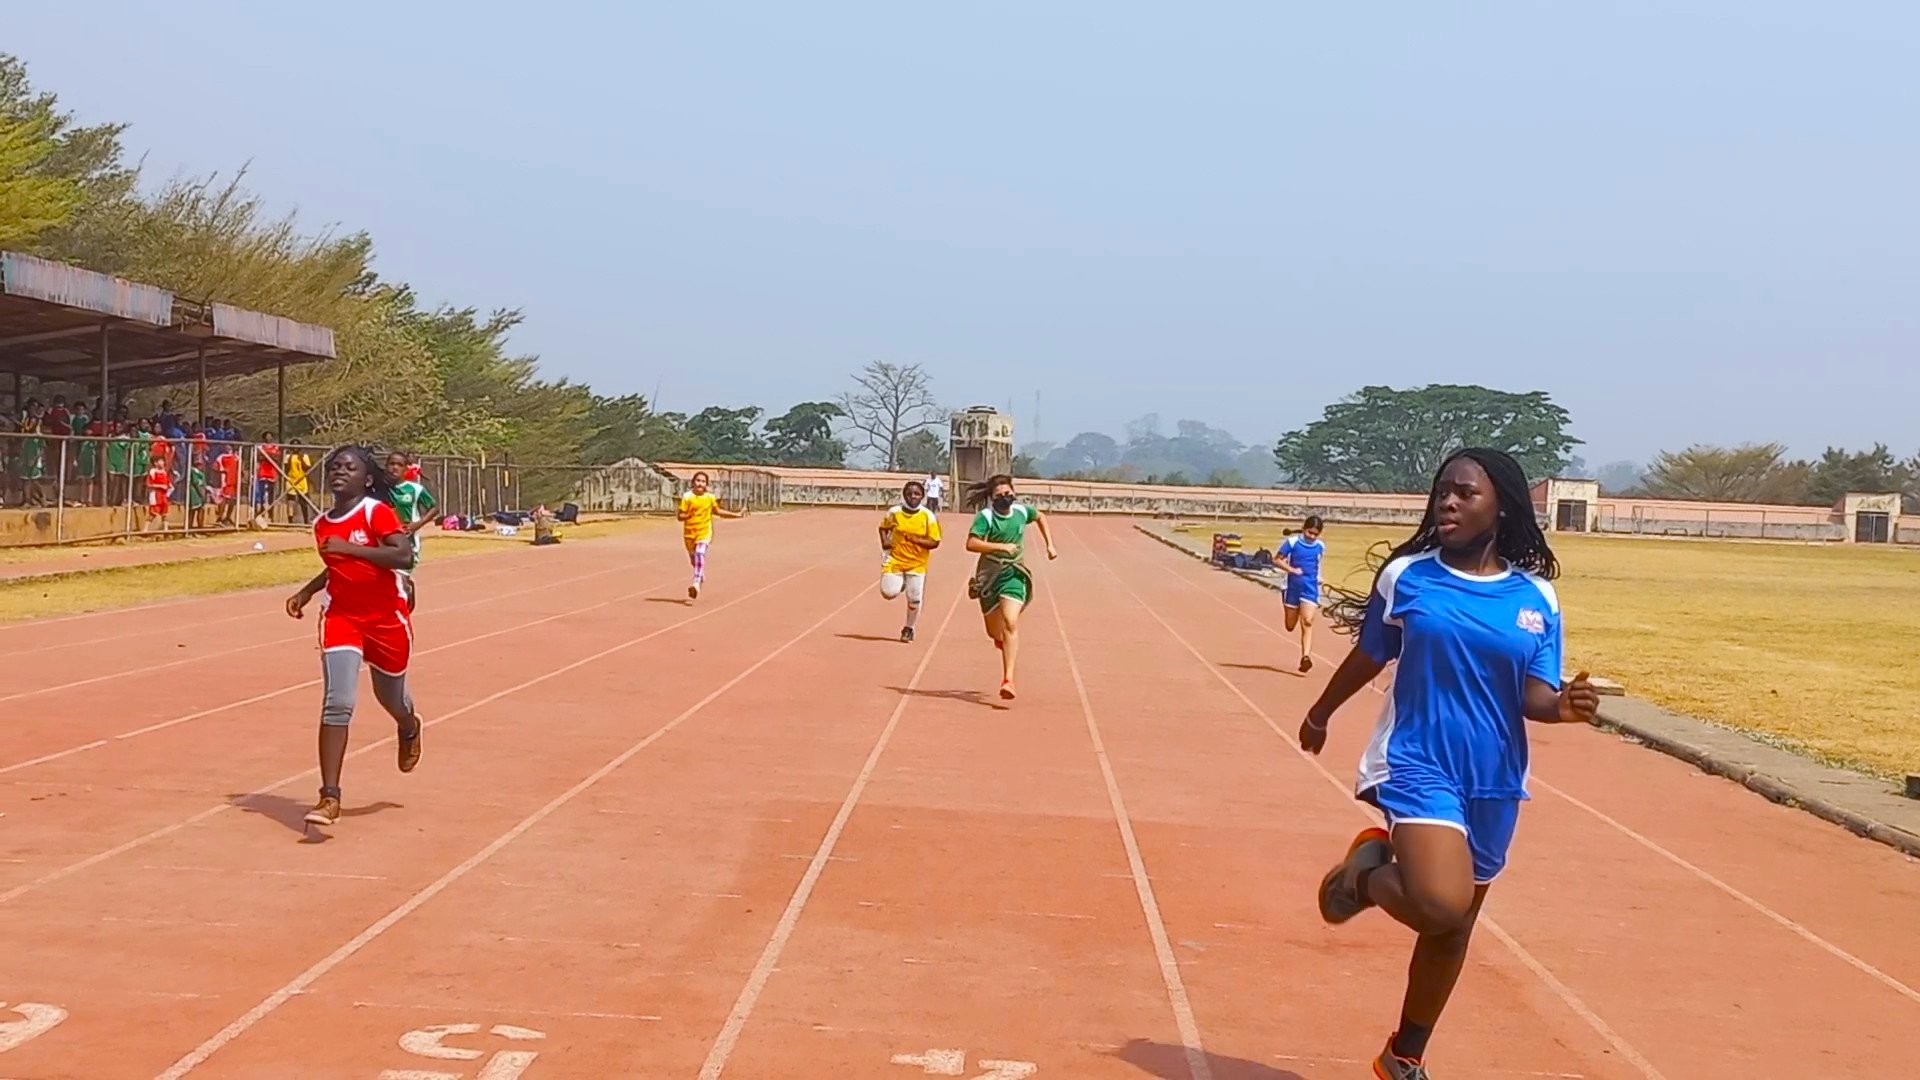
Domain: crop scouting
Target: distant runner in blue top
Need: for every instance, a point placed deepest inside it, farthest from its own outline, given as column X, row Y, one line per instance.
column 1467, row 608
column 1299, row 556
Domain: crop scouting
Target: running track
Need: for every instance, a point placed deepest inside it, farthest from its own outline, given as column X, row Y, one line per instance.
column 755, row 837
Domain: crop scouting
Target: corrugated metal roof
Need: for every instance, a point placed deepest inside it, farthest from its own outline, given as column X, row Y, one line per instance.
column 263, row 329
column 59, row 283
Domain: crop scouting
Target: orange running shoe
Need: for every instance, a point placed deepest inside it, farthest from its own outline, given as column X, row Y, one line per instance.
column 1340, row 897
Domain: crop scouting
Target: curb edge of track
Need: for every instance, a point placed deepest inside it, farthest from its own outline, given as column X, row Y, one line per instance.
column 1767, row 786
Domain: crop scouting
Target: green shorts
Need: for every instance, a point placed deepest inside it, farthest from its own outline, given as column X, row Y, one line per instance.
column 1009, row 584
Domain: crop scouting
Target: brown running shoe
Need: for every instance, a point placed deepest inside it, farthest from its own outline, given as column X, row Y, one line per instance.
column 324, row 812
column 409, row 745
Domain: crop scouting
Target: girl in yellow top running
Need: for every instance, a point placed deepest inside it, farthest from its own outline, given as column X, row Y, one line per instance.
column 698, row 508
column 908, row 534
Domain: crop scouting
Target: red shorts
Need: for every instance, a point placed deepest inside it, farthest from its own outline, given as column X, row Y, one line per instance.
column 385, row 644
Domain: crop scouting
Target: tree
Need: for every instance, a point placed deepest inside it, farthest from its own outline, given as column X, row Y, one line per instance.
column 803, row 435
column 1086, row 452
column 1872, row 471
column 1024, row 465
column 1754, row 472
column 890, row 402
column 726, row 436
column 1619, row 477
column 1382, row 439
column 31, row 202
column 87, row 158
column 923, row 452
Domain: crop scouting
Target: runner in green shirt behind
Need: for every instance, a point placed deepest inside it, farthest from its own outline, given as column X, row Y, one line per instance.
column 414, row 504
column 1001, row 581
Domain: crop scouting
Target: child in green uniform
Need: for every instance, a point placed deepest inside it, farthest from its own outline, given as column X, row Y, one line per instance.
column 414, row 504
column 119, row 463
column 1001, row 581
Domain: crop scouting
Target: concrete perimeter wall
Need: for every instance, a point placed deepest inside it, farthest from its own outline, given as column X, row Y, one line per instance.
column 1643, row 517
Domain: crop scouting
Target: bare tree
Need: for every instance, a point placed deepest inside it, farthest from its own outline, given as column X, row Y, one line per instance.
column 892, row 401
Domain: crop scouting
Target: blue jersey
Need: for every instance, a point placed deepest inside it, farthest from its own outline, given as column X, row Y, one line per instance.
column 1304, row 555
column 1465, row 647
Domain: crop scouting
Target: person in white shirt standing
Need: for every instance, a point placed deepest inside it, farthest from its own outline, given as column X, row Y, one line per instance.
column 935, row 486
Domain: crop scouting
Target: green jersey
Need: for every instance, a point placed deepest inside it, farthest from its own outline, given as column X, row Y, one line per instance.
column 411, row 501
column 996, row 576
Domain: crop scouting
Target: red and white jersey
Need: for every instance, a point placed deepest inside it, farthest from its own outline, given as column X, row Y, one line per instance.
column 356, row 588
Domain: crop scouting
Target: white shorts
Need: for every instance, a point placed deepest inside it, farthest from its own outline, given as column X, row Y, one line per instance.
column 914, row 585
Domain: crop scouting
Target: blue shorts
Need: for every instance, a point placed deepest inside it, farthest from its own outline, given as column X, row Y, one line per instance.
column 1300, row 589
column 1488, row 823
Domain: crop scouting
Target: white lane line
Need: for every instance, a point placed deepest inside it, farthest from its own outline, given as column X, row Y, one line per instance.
column 167, row 830
column 55, row 756
column 169, row 628
column 729, row 1036
column 497, row 1010
column 1560, row 989
column 1197, row 1066
column 1809, row 936
column 454, row 644
column 1784, row 921
column 195, row 1057
column 257, row 698
column 266, row 873
column 238, row 649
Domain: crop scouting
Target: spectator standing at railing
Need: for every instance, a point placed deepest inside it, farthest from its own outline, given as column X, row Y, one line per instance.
column 226, row 469
column 266, row 474
column 299, row 467
column 87, row 453
column 31, row 468
column 119, row 463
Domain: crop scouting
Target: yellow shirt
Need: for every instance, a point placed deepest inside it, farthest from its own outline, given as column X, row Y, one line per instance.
column 697, row 511
column 912, row 529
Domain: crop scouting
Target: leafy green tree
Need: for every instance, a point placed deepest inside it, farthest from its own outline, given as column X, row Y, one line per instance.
column 803, row 435
column 726, row 436
column 31, row 201
column 1383, row 439
column 1874, row 471
column 1753, row 472
column 923, row 452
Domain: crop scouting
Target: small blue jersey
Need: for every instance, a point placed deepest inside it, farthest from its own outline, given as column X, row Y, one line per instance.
column 1303, row 554
column 1465, row 647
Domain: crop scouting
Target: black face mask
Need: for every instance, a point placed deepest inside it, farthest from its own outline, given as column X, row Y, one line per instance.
column 1002, row 503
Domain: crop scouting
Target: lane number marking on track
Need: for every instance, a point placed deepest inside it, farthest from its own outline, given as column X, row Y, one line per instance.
column 954, row 1063
column 430, row 1042
column 35, row 1020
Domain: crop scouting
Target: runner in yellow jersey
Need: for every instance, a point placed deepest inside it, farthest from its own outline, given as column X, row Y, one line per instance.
column 908, row 534
column 698, row 508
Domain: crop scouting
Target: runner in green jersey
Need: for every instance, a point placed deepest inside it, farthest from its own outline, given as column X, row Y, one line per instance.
column 414, row 504
column 1001, row 581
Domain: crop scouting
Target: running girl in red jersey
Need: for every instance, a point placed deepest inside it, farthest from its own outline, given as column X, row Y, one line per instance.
column 365, row 617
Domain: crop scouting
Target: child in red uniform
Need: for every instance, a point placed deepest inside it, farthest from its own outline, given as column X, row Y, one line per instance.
column 365, row 617
column 227, row 468
column 159, row 484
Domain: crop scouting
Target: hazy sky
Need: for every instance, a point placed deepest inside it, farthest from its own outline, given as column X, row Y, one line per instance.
column 1689, row 221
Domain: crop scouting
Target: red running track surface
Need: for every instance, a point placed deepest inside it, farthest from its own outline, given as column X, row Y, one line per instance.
column 755, row 836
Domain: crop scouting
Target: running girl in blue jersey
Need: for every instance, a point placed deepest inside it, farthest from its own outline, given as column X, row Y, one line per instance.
column 1299, row 557
column 1467, row 609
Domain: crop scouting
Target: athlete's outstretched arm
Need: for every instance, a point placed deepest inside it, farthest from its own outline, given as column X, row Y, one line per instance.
column 1356, row 671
